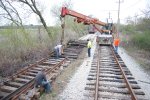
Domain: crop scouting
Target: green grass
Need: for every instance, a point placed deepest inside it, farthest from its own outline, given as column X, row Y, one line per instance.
column 20, row 47
column 142, row 40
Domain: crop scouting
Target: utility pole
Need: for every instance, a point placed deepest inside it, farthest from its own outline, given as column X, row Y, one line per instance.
column 108, row 19
column 118, row 22
column 109, row 15
column 63, row 29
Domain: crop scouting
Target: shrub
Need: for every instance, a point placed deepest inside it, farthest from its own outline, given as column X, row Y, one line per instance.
column 142, row 40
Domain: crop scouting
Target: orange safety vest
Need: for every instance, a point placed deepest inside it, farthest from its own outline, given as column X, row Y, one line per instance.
column 116, row 42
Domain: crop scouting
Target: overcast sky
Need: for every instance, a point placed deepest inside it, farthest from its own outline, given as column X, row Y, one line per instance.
column 98, row 8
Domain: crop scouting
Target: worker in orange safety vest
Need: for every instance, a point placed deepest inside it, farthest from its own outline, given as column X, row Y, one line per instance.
column 116, row 44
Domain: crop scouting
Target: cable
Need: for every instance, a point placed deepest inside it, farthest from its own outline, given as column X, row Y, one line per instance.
column 141, row 14
column 133, row 4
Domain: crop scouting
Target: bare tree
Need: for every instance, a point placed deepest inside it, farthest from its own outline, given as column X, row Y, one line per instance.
column 146, row 11
column 10, row 12
column 129, row 20
column 56, row 9
column 32, row 4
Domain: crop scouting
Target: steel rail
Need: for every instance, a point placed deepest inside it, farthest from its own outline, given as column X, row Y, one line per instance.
column 28, row 67
column 47, row 72
column 97, row 76
column 26, row 86
column 57, row 65
column 15, row 94
column 133, row 96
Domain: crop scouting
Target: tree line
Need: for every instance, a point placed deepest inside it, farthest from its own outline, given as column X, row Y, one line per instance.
column 138, row 30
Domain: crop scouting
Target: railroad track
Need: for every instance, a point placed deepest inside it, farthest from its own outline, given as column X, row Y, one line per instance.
column 109, row 78
column 19, row 84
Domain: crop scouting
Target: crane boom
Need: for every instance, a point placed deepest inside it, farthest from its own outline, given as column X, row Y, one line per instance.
column 80, row 17
column 106, row 32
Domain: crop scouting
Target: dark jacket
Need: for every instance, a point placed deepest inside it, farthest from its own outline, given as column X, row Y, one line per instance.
column 39, row 78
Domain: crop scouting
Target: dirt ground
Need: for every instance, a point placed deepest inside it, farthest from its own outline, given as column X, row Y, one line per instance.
column 61, row 81
column 141, row 56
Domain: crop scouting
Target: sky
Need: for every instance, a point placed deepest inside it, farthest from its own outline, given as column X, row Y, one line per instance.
column 97, row 8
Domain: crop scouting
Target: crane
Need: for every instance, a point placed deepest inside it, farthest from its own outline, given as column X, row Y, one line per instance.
column 86, row 20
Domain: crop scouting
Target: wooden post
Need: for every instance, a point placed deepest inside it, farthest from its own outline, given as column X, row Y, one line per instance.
column 63, row 29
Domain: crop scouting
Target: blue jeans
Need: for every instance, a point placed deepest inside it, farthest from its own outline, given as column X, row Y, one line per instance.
column 57, row 53
column 89, row 52
column 116, row 49
column 47, row 86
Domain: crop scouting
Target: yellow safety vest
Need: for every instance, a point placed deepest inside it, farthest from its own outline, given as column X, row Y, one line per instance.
column 89, row 45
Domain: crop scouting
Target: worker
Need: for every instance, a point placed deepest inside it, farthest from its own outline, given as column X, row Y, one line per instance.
column 89, row 45
column 116, row 44
column 58, row 50
column 40, row 80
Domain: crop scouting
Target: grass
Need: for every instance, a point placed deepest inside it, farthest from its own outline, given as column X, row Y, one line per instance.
column 137, row 38
column 19, row 48
column 138, row 45
column 142, row 41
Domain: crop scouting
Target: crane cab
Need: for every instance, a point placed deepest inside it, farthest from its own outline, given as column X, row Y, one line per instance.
column 104, row 39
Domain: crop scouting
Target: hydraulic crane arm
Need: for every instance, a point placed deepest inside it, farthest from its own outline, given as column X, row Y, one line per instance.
column 80, row 17
column 108, row 28
column 101, row 30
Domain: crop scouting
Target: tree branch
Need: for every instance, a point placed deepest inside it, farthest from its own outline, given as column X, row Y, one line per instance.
column 16, row 12
column 10, row 12
column 34, row 8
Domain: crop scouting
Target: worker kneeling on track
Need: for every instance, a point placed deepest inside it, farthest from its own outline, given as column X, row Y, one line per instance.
column 40, row 80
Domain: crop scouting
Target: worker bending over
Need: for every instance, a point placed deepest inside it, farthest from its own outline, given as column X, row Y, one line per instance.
column 40, row 80
column 116, row 44
column 58, row 50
